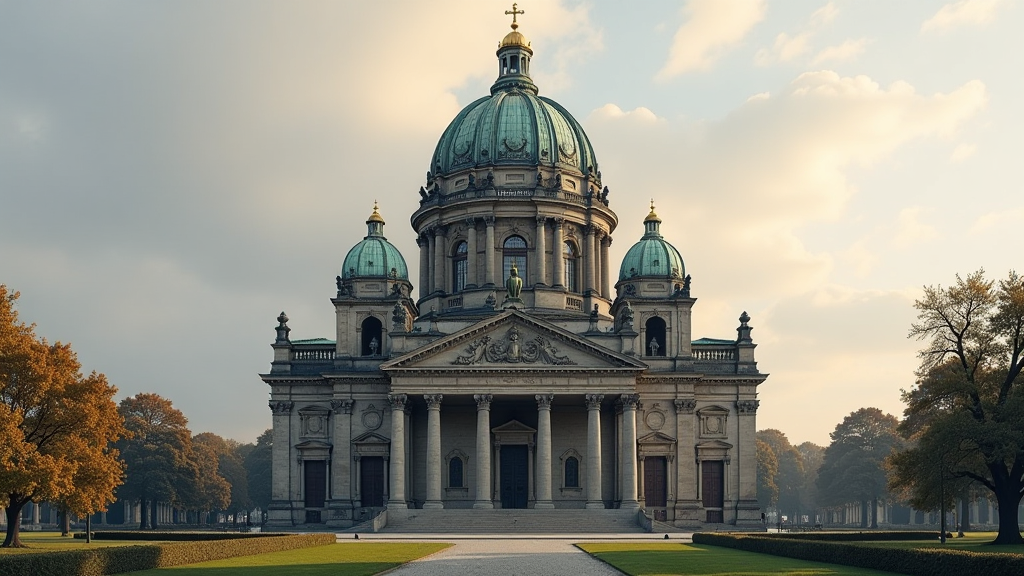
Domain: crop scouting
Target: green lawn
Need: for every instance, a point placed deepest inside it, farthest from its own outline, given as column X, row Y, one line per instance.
column 54, row 542
column 664, row 558
column 345, row 559
column 972, row 541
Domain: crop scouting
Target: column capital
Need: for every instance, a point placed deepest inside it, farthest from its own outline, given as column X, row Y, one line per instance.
column 489, row 220
column 686, row 406
column 342, row 406
column 541, row 220
column 357, row 457
column 471, row 222
column 433, row 401
column 483, row 401
column 281, row 408
column 630, row 401
column 747, row 406
column 440, row 230
column 590, row 230
column 421, row 240
column 397, row 401
column 594, row 401
column 558, row 222
column 544, row 401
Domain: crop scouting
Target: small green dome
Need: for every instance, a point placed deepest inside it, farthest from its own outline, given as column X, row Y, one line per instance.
column 374, row 256
column 652, row 256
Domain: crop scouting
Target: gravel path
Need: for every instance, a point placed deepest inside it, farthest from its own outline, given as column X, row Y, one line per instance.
column 494, row 557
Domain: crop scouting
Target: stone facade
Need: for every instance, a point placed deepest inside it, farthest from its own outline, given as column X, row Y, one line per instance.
column 560, row 391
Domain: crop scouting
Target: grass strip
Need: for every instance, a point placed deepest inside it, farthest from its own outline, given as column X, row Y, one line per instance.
column 665, row 558
column 344, row 559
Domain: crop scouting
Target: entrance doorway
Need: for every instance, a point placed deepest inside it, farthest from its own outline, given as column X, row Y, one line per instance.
column 655, row 482
column 515, row 476
column 371, row 481
column 713, row 489
column 315, row 472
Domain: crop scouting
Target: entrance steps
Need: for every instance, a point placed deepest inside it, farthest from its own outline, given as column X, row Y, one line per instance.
column 519, row 521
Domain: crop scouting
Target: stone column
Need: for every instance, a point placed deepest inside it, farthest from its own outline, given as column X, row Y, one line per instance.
column 279, row 510
column 594, row 496
column 424, row 245
column 483, row 450
column 432, row 249
column 471, row 270
column 541, row 274
column 606, row 290
column 356, row 473
column 396, row 496
column 543, row 484
column 489, row 251
column 440, row 257
column 341, row 477
column 591, row 252
column 557, row 242
column 433, row 451
column 686, row 475
column 630, row 403
column 745, row 463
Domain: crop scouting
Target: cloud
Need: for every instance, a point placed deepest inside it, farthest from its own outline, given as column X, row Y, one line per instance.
column 846, row 51
column 961, row 13
column 1003, row 220
column 711, row 28
column 963, row 152
column 788, row 47
column 910, row 230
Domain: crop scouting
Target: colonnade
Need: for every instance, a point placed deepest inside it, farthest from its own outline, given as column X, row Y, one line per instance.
column 484, row 498
column 436, row 257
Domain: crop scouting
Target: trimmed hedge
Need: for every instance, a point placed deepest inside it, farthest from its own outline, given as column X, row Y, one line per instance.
column 119, row 559
column 916, row 562
column 143, row 535
column 877, row 536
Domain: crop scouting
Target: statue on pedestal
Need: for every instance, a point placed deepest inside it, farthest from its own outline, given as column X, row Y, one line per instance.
column 513, row 288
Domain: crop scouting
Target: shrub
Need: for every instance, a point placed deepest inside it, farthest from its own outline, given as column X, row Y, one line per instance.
column 916, row 562
column 875, row 536
column 118, row 559
column 143, row 535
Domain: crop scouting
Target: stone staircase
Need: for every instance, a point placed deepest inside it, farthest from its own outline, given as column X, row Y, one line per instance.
column 512, row 522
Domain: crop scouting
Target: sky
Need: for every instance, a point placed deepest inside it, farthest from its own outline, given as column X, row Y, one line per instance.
column 173, row 175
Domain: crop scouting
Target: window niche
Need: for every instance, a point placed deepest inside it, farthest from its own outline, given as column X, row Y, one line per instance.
column 460, row 267
column 456, row 464
column 655, row 343
column 513, row 251
column 571, row 464
column 372, row 339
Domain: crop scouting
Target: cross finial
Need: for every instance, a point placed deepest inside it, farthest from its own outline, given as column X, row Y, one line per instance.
column 652, row 204
column 514, row 11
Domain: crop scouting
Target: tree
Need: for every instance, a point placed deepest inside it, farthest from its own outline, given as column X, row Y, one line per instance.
column 791, row 472
column 852, row 468
column 966, row 411
column 56, row 426
column 767, row 470
column 812, row 455
column 258, row 465
column 159, row 459
column 211, row 455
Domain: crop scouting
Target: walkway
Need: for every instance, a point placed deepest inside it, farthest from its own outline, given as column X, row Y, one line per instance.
column 494, row 556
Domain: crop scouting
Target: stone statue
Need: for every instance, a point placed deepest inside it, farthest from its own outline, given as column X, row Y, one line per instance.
column 653, row 346
column 374, row 346
column 514, row 284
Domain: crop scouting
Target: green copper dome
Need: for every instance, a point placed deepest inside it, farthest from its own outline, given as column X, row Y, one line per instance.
column 652, row 256
column 513, row 126
column 374, row 256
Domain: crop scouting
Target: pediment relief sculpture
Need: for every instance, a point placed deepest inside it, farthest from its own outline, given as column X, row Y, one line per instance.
column 513, row 348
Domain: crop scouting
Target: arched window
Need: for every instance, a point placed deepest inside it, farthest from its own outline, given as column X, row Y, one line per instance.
column 514, row 251
column 455, row 469
column 572, row 271
column 572, row 472
column 655, row 343
column 372, row 337
column 460, row 267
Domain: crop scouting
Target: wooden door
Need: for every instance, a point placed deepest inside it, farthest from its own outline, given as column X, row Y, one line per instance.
column 371, row 481
column 713, row 489
column 655, row 482
column 515, row 476
column 315, row 472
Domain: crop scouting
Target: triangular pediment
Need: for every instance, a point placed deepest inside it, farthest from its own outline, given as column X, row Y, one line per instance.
column 370, row 438
column 512, row 427
column 513, row 340
column 656, row 438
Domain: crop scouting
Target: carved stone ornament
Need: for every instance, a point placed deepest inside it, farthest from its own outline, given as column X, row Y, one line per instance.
column 630, row 401
column 314, row 423
column 397, row 401
column 655, row 419
column 685, row 406
column 483, row 401
column 342, row 406
column 594, row 401
column 713, row 422
column 281, row 407
column 747, row 406
column 544, row 400
column 433, row 401
column 372, row 417
column 512, row 349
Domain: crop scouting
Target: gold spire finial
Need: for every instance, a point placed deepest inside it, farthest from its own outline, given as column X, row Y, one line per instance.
column 375, row 217
column 514, row 11
column 652, row 217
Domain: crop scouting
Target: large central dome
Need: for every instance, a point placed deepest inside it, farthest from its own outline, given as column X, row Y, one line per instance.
column 513, row 126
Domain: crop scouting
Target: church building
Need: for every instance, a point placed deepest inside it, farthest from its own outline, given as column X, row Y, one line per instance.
column 523, row 370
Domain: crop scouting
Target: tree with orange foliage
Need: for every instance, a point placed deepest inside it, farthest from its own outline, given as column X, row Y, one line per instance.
column 57, row 427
